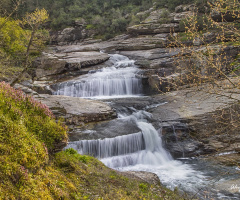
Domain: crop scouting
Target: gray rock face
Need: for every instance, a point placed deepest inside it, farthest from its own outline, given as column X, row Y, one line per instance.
column 182, row 15
column 141, row 43
column 179, row 9
column 189, row 126
column 68, row 35
column 177, row 140
column 54, row 64
column 161, row 21
column 76, row 111
column 145, row 29
column 71, row 35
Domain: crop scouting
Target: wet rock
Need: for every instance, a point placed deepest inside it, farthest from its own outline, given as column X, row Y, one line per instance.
column 116, row 127
column 228, row 159
column 143, row 63
column 178, row 141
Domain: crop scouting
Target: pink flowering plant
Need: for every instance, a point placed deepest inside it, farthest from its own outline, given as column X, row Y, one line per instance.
column 36, row 117
column 17, row 97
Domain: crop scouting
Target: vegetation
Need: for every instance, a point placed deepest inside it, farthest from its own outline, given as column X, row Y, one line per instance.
column 33, row 20
column 171, row 4
column 106, row 17
column 30, row 168
column 21, row 41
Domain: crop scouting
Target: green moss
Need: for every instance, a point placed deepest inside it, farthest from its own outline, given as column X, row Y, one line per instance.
column 90, row 26
column 143, row 187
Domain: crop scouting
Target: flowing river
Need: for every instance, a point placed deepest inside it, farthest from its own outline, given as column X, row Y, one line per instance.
column 142, row 149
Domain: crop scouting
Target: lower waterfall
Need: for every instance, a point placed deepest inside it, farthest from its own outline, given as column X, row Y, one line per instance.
column 141, row 151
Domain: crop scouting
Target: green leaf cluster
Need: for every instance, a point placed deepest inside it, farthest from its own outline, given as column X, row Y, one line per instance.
column 13, row 38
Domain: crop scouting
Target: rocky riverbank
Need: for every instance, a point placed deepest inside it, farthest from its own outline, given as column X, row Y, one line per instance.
column 193, row 121
column 182, row 118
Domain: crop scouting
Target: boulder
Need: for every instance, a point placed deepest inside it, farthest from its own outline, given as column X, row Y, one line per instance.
column 228, row 16
column 155, row 16
column 72, row 35
column 179, row 9
column 148, row 177
column 177, row 17
column 68, row 35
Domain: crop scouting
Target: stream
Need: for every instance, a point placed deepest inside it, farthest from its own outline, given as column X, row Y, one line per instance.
column 139, row 148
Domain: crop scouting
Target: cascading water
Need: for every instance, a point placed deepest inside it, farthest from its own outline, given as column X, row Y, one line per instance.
column 118, row 80
column 143, row 147
column 139, row 151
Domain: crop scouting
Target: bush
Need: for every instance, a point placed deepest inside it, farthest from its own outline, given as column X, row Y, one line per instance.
column 31, row 115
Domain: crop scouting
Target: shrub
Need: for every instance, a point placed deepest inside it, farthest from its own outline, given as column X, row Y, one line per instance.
column 34, row 116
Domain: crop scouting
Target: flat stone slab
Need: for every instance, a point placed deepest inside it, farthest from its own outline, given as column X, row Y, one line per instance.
column 84, row 58
column 77, row 110
column 53, row 64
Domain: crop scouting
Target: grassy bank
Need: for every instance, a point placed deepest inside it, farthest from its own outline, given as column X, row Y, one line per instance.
column 31, row 169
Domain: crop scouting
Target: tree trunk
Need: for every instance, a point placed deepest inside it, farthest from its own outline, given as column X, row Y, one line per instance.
column 26, row 65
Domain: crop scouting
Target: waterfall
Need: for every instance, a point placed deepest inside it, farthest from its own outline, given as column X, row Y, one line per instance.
column 144, row 147
column 115, row 81
column 141, row 151
column 108, row 147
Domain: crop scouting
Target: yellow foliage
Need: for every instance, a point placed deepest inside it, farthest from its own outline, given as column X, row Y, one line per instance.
column 12, row 37
column 36, row 18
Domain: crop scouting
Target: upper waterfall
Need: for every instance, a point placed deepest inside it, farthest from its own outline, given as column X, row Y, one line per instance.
column 116, row 81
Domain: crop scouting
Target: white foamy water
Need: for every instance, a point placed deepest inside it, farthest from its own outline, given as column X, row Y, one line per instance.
column 117, row 81
column 142, row 151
